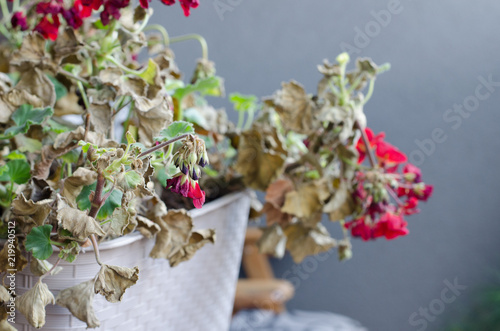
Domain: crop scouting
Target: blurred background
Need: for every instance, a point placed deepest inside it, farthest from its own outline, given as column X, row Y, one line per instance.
column 438, row 103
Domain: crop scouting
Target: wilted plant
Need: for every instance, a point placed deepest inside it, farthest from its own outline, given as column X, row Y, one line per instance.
column 307, row 152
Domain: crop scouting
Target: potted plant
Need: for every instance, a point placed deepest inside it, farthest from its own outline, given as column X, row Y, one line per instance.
column 68, row 186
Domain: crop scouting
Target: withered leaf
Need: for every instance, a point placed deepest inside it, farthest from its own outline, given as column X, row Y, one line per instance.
column 306, row 201
column 147, row 227
column 68, row 105
column 175, row 232
column 100, row 117
column 112, row 281
column 304, row 241
column 340, row 205
column 4, row 295
column 295, row 108
column 32, row 304
column 154, row 115
column 276, row 192
column 67, row 43
column 78, row 223
column 74, row 184
column 34, row 88
column 258, row 164
column 121, row 223
column 34, row 213
column 79, row 301
column 197, row 240
column 20, row 262
column 273, row 241
column 32, row 53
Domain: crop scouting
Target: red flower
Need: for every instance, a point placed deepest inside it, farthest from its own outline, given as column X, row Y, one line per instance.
column 391, row 226
column 185, row 4
column 48, row 28
column 420, row 191
column 51, row 7
column 19, row 20
column 93, row 4
column 188, row 188
column 410, row 206
column 144, row 3
column 112, row 9
column 360, row 229
column 412, row 173
column 386, row 153
column 73, row 17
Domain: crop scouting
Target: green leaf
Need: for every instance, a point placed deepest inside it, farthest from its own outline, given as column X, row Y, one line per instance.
column 69, row 251
column 131, row 179
column 55, row 127
column 150, row 72
column 114, row 200
column 38, row 242
column 174, row 130
column 163, row 173
column 24, row 117
column 193, row 115
column 71, row 157
column 61, row 90
column 242, row 102
column 17, row 171
column 15, row 155
column 206, row 86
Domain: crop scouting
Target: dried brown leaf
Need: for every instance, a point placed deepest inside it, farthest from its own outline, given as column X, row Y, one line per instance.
column 18, row 259
column 74, row 184
column 79, row 301
column 78, row 223
column 303, row 241
column 112, row 281
column 197, row 240
column 176, row 227
column 273, row 241
column 32, row 304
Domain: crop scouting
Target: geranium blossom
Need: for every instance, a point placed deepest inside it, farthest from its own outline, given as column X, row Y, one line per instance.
column 187, row 187
column 386, row 153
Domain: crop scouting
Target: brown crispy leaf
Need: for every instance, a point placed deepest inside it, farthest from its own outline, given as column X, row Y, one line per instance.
column 34, row 213
column 197, row 240
column 303, row 241
column 19, row 260
column 78, row 223
column 4, row 295
column 74, row 184
column 67, row 43
column 154, row 115
column 79, row 301
column 306, row 201
column 34, row 88
column 32, row 304
column 112, row 281
column 100, row 118
column 32, row 53
column 147, row 227
column 68, row 105
column 295, row 108
column 175, row 232
column 258, row 164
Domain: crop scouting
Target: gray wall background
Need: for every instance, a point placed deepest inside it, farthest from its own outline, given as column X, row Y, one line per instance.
column 438, row 51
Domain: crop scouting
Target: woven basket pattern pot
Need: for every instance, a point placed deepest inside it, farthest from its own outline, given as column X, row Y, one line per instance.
column 195, row 295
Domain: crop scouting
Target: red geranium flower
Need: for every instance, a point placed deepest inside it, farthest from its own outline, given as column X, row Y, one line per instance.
column 19, row 20
column 386, row 153
column 51, row 7
column 188, row 188
column 410, row 206
column 48, row 28
column 359, row 228
column 391, row 226
column 185, row 4
column 412, row 173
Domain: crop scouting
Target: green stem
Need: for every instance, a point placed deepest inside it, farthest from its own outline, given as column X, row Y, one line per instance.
column 70, row 75
column 241, row 120
column 370, row 91
column 51, row 269
column 162, row 30
column 201, row 40
column 5, row 8
column 160, row 146
column 249, row 122
column 15, row 6
column 5, row 31
column 143, row 24
column 121, row 66
column 84, row 95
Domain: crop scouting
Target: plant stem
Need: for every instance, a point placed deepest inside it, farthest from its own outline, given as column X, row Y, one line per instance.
column 70, row 75
column 160, row 146
column 249, row 122
column 201, row 40
column 96, row 249
column 394, row 196
column 370, row 91
column 15, row 6
column 121, row 66
column 241, row 120
column 366, row 142
column 51, row 269
column 162, row 30
column 5, row 8
column 84, row 95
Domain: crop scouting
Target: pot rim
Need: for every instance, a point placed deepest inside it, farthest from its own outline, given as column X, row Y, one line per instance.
column 136, row 236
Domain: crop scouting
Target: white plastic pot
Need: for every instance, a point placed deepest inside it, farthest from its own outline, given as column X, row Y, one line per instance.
column 195, row 295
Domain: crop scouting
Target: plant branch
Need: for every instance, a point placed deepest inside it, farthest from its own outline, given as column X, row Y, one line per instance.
column 96, row 248
column 366, row 142
column 162, row 30
column 201, row 40
column 160, row 146
column 70, row 75
column 51, row 269
column 370, row 91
